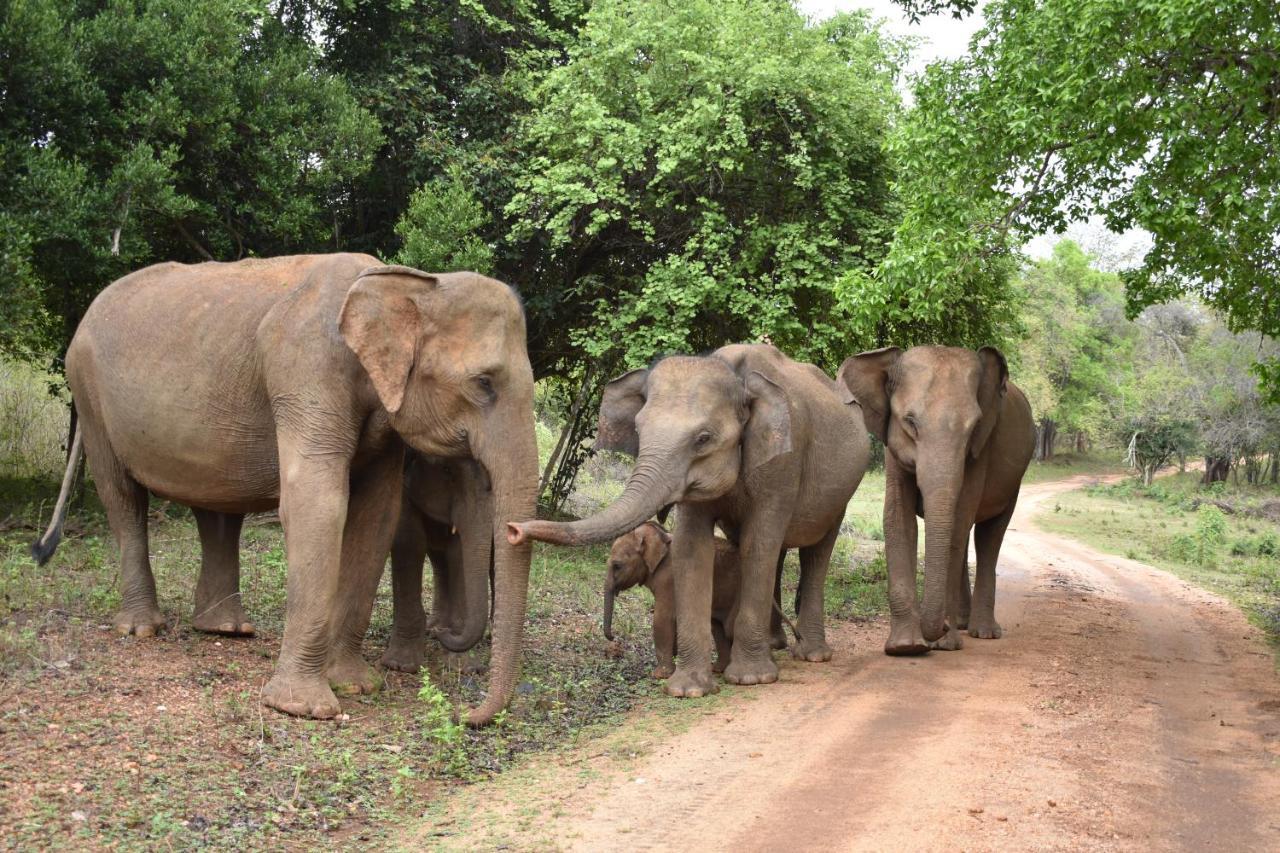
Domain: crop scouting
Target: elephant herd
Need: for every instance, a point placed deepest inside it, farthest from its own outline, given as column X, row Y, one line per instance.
column 387, row 410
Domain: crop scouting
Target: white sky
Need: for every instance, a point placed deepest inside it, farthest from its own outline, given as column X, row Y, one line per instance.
column 944, row 37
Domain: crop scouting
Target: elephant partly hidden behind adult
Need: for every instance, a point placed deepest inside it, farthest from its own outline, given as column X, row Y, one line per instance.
column 297, row 382
column 446, row 516
column 755, row 442
column 643, row 558
column 958, row 437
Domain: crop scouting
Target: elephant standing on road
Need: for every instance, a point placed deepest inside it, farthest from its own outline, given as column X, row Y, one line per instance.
column 958, row 437
column 297, row 381
column 755, row 442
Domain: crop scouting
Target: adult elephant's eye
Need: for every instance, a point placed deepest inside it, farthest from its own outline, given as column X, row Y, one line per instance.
column 485, row 384
column 703, row 439
column 910, row 421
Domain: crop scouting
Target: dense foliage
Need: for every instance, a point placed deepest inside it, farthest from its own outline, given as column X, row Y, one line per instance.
column 1160, row 114
column 134, row 132
column 705, row 172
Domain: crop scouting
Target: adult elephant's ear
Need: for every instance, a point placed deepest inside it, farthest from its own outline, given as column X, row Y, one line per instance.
column 622, row 400
column 381, row 320
column 767, row 433
column 993, row 382
column 867, row 379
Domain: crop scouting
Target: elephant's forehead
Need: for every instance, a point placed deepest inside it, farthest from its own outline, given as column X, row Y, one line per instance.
column 928, row 368
column 701, row 383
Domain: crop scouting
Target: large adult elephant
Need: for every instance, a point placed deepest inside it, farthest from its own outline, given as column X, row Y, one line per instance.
column 296, row 381
column 751, row 440
column 958, row 438
column 446, row 516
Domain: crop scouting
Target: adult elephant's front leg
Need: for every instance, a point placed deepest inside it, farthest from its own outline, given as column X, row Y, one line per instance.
column 370, row 525
column 693, row 565
column 313, row 510
column 751, row 661
column 900, row 540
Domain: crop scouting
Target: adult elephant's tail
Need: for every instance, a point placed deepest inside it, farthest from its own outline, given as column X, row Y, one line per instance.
column 42, row 549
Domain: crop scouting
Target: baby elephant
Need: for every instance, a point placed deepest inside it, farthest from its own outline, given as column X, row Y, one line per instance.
column 640, row 557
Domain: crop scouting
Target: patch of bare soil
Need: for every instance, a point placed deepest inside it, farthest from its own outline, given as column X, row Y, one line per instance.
column 1123, row 710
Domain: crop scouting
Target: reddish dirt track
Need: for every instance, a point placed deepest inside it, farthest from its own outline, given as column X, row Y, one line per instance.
column 1123, row 710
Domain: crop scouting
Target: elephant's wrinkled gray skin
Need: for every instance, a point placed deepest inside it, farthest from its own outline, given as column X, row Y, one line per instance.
column 959, row 437
column 237, row 387
column 751, row 440
column 642, row 557
column 446, row 515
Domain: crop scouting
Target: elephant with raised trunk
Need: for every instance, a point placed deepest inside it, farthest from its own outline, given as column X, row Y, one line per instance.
column 958, row 437
column 446, row 516
column 755, row 442
column 297, row 382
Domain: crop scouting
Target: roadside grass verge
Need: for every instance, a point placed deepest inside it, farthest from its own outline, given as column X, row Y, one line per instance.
column 1182, row 527
column 1064, row 465
column 117, row 742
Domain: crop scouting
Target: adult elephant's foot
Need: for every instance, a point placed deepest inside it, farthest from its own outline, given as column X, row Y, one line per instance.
column 814, row 651
column 949, row 642
column 351, row 675
column 404, row 655
column 691, row 683
column 778, row 639
column 749, row 671
column 144, row 621
column 962, row 621
column 663, row 670
column 985, row 628
column 905, row 639
column 226, row 618
column 301, row 697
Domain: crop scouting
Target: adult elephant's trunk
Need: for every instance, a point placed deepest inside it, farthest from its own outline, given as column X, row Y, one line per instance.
column 648, row 490
column 511, row 457
column 475, row 526
column 940, row 485
column 608, row 605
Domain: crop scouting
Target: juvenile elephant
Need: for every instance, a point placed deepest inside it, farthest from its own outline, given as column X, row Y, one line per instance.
column 755, row 442
column 958, row 438
column 297, row 381
column 643, row 557
column 446, row 515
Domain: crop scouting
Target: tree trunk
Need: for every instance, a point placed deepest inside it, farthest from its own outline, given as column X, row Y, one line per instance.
column 1046, row 432
column 1216, row 469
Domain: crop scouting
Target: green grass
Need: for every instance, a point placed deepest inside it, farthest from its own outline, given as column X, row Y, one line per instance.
column 1170, row 525
column 1063, row 465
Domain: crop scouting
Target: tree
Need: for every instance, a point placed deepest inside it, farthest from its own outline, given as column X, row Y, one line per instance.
column 700, row 173
column 158, row 130
column 1075, row 353
column 1162, row 115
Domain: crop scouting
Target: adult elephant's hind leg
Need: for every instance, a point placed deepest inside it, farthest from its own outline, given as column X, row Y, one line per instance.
column 218, row 608
column 814, row 562
column 966, row 597
column 405, row 648
column 987, row 538
column 372, row 512
column 777, row 636
column 125, row 501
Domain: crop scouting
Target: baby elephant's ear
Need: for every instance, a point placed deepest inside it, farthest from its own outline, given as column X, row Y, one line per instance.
column 657, row 542
column 622, row 401
column 768, row 430
column 381, row 320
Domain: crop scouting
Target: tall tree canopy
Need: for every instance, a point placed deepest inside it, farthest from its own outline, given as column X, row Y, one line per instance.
column 705, row 172
column 134, row 131
column 1162, row 114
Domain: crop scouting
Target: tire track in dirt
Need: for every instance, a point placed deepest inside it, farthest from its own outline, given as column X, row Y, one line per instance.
column 1123, row 710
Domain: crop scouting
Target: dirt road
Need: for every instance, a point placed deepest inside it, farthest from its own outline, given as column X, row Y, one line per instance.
column 1123, row 710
